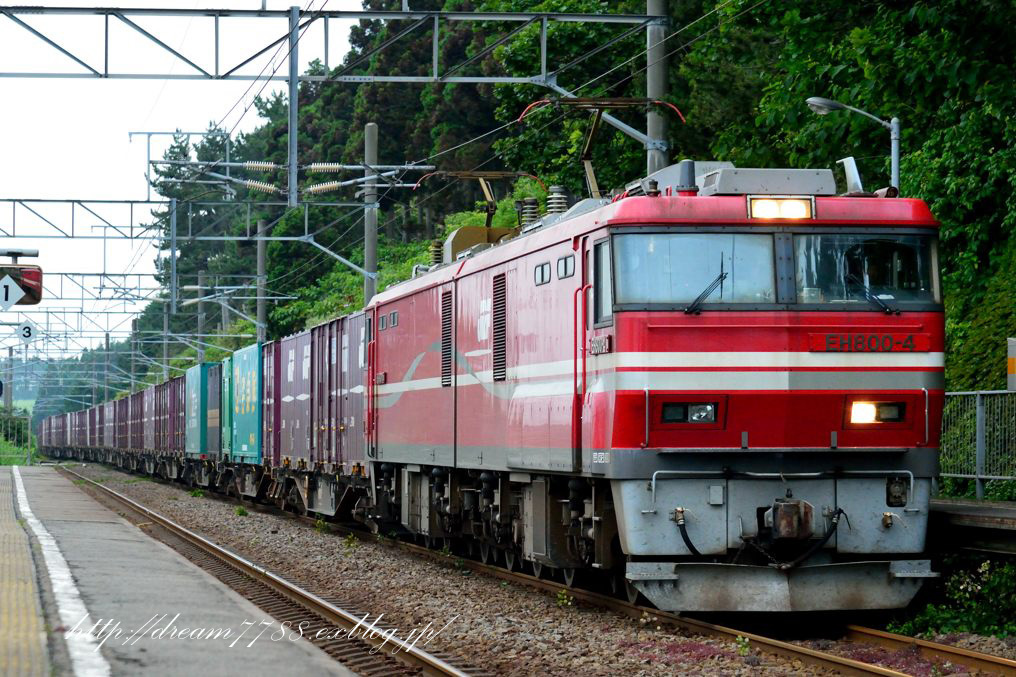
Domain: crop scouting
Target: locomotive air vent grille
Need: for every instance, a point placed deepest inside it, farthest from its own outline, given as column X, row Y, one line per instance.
column 500, row 327
column 446, row 339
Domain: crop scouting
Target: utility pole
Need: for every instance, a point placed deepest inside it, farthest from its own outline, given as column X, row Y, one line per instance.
column 656, row 84
column 370, row 212
column 294, row 95
column 9, row 390
column 134, row 347
column 262, row 329
column 165, row 342
column 224, row 305
column 201, row 314
column 105, row 373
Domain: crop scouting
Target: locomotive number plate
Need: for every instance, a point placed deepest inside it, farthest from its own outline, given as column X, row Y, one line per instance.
column 869, row 343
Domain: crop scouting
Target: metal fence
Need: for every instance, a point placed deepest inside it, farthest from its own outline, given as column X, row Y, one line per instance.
column 979, row 436
column 16, row 440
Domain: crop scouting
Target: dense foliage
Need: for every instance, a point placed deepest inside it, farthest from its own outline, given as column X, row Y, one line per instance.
column 738, row 69
column 977, row 596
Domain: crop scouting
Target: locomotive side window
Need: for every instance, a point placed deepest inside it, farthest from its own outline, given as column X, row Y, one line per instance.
column 603, row 298
column 541, row 273
column 393, row 318
column 382, row 322
column 675, row 268
column 565, row 266
column 852, row 268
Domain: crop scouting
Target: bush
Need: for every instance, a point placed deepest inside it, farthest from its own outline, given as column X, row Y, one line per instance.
column 979, row 597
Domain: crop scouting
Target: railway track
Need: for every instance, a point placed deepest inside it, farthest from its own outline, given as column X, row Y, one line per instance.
column 933, row 651
column 284, row 601
column 943, row 653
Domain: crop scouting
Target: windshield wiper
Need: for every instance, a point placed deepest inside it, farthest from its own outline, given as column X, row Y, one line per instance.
column 693, row 307
column 871, row 297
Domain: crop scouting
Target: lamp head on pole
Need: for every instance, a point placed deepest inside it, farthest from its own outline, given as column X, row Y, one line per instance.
column 824, row 106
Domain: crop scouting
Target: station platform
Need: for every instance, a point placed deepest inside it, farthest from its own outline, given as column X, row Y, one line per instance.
column 67, row 563
column 988, row 526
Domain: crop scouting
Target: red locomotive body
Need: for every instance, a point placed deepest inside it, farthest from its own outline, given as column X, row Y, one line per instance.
column 667, row 378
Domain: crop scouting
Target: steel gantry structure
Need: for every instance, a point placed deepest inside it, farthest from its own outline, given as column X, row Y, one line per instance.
column 63, row 218
column 208, row 66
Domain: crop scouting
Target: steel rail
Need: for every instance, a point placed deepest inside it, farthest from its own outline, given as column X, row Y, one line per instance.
column 767, row 645
column 933, row 650
column 417, row 657
column 929, row 650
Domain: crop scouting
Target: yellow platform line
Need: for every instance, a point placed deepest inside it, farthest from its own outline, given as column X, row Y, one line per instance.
column 22, row 629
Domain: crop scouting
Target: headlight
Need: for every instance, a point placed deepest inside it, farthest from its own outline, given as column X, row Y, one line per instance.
column 779, row 208
column 877, row 412
column 702, row 413
column 684, row 412
column 862, row 412
column 890, row 412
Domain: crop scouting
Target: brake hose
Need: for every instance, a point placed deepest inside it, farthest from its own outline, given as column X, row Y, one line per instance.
column 679, row 518
column 785, row 566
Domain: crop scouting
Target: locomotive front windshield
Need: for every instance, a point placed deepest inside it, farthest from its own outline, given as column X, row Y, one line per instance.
column 837, row 270
column 852, row 268
column 678, row 267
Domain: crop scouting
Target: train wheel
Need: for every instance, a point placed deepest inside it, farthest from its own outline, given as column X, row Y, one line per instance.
column 569, row 576
column 486, row 553
column 512, row 559
column 631, row 592
column 537, row 569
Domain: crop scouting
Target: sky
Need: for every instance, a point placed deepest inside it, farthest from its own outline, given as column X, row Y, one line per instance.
column 64, row 138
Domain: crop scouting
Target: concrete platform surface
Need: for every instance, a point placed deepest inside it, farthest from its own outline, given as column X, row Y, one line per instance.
column 134, row 587
column 973, row 513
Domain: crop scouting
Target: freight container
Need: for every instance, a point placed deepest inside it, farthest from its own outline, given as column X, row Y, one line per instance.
column 93, row 425
column 351, row 434
column 161, row 416
column 137, row 420
column 123, row 411
column 247, row 422
column 197, row 411
column 326, row 374
column 226, row 408
column 109, row 425
column 213, row 407
column 270, row 378
column 295, row 395
column 176, row 430
column 148, row 432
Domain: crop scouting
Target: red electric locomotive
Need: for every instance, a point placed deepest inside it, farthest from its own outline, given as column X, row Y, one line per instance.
column 721, row 390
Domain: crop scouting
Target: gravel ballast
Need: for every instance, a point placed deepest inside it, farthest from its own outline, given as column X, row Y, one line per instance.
column 502, row 627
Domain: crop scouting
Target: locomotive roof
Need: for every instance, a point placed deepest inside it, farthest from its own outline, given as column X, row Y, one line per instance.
column 676, row 210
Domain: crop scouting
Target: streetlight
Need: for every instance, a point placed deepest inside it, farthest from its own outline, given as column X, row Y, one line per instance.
column 824, row 106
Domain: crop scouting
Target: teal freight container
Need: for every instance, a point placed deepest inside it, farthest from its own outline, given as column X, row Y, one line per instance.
column 196, row 438
column 226, row 419
column 246, row 444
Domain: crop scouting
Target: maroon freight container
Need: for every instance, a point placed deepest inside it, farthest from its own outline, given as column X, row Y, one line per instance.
column 93, row 426
column 160, row 417
column 271, row 401
column 137, row 426
column 123, row 415
column 100, row 427
column 295, row 395
column 148, row 425
column 81, row 428
column 325, row 374
column 352, row 436
column 177, row 428
column 109, row 425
